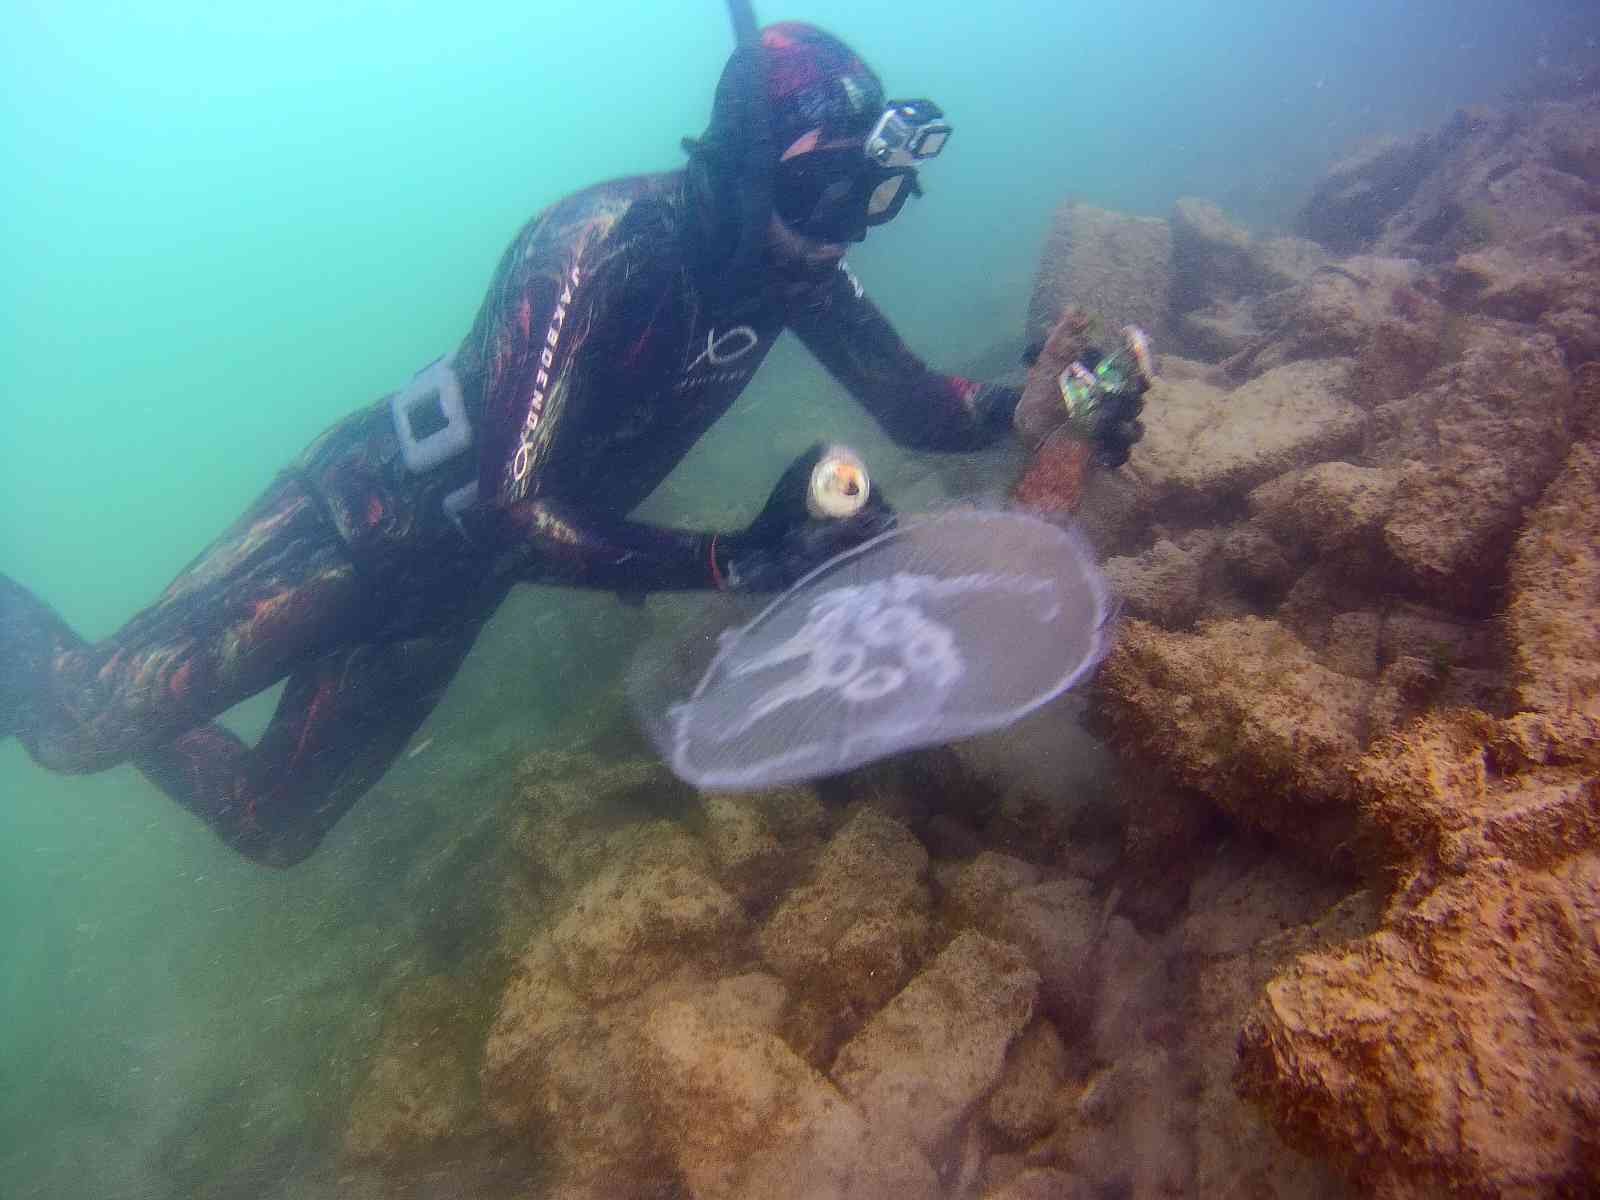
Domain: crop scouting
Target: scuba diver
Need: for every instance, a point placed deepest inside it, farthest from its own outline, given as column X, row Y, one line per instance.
column 621, row 323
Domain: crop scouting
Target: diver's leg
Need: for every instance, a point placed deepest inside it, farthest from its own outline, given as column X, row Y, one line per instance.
column 277, row 589
column 31, row 636
column 340, row 723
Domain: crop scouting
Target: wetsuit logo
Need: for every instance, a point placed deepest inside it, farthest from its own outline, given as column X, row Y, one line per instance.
column 713, row 364
column 723, row 348
column 523, row 459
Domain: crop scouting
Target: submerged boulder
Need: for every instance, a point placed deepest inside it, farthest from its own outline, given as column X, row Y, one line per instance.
column 1475, row 447
column 1361, row 191
column 937, row 1048
column 1242, row 712
column 855, row 932
column 1205, row 444
column 420, row 1094
column 1489, row 174
column 1117, row 267
column 1452, row 1051
column 745, row 1116
column 1553, row 621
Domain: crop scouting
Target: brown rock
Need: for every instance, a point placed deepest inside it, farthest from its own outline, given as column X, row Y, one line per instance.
column 633, row 925
column 1040, row 1183
column 419, row 1092
column 1161, row 585
column 1237, row 1153
column 553, row 1068
column 1448, row 1052
column 1203, row 444
column 1553, row 621
column 1555, row 271
column 1333, row 507
column 1216, row 260
column 1351, row 202
column 1436, row 795
column 1437, row 638
column 925, row 1060
column 1115, row 266
column 980, row 887
column 1243, row 713
column 573, row 806
column 1057, row 925
column 1257, row 561
column 760, row 841
column 1340, row 311
column 744, row 1116
column 1487, row 175
column 859, row 928
column 1245, row 898
column 1493, row 426
column 1022, row 1107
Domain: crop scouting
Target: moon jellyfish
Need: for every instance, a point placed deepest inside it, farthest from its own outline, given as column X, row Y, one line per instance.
column 944, row 627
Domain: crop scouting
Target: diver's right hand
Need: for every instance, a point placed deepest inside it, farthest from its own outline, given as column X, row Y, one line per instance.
column 785, row 541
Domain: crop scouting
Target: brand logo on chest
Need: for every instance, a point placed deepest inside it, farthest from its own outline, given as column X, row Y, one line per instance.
column 720, row 360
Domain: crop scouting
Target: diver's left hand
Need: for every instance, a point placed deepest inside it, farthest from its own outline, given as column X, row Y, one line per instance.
column 786, row 542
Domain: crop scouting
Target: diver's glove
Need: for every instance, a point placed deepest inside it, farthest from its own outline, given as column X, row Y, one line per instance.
column 793, row 534
column 1101, row 394
column 1101, row 411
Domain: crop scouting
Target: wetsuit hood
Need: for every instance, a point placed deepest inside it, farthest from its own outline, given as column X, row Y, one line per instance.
column 793, row 78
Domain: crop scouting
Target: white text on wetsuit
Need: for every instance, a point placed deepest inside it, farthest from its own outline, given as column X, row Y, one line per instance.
column 541, row 381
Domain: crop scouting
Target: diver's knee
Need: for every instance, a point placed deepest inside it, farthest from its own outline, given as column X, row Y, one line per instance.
column 280, row 851
column 66, row 752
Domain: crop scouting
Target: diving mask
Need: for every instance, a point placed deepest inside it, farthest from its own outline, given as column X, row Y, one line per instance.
column 836, row 193
column 908, row 132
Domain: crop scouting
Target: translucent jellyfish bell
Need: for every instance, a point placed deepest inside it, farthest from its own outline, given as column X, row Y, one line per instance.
column 944, row 627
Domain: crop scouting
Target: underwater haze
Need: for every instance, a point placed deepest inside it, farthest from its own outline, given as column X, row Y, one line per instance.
column 225, row 226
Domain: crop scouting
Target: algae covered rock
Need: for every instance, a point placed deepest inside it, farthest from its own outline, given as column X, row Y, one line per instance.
column 1242, row 712
column 554, row 1070
column 1117, row 267
column 1553, row 621
column 745, row 1116
column 1469, row 1022
column 1203, row 443
column 760, row 841
column 922, row 1062
column 633, row 925
column 420, row 1091
column 861, row 925
column 1478, row 445
column 1333, row 507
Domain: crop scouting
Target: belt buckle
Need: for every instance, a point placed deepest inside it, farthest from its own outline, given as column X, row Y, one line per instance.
column 435, row 385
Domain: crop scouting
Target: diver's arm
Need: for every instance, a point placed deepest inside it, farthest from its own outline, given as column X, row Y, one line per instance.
column 918, row 407
column 554, row 542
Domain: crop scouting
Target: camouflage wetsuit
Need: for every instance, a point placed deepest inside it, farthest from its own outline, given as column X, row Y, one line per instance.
column 600, row 355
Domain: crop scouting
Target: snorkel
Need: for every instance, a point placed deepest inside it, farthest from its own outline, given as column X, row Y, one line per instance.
column 757, row 152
